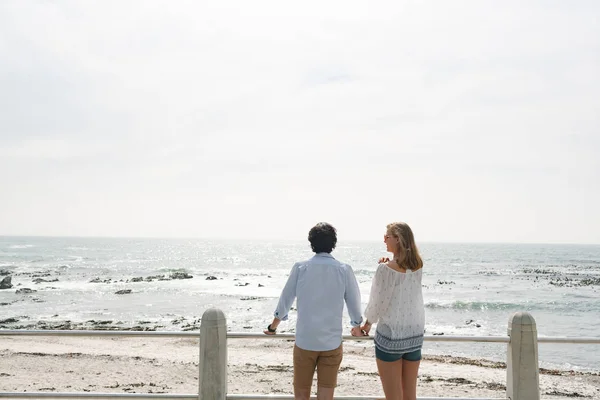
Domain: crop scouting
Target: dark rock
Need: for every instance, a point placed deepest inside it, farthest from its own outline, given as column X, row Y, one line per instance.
column 60, row 326
column 42, row 280
column 181, row 275
column 242, row 284
column 211, row 278
column 190, row 327
column 4, row 272
column 461, row 381
column 140, row 328
column 469, row 322
column 25, row 291
column 565, row 394
column 590, row 282
column 261, row 285
column 98, row 280
column 124, row 291
column 137, row 279
column 477, row 326
column 40, row 274
column 438, row 333
column 8, row 321
column 155, row 277
column 6, row 283
column 249, row 298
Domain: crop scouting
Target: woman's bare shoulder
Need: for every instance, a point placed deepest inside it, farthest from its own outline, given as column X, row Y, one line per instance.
column 395, row 267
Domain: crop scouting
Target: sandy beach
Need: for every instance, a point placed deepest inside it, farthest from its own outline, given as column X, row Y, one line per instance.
column 167, row 365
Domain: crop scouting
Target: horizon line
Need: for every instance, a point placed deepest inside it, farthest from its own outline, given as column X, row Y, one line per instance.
column 283, row 240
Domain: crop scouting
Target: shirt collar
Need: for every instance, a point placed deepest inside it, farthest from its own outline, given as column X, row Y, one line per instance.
column 328, row 255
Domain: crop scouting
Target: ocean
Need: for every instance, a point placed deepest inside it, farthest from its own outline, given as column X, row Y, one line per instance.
column 166, row 284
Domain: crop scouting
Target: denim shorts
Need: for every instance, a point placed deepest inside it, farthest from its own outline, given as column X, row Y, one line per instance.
column 389, row 357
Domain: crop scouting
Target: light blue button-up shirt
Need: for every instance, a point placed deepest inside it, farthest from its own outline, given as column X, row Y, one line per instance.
column 321, row 285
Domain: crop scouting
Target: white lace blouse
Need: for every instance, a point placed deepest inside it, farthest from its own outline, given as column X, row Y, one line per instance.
column 396, row 305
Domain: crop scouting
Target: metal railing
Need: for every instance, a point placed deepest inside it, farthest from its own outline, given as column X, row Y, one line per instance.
column 522, row 366
column 249, row 335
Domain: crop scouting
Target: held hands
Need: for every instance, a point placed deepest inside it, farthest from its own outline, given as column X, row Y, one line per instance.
column 384, row 260
column 357, row 331
column 366, row 328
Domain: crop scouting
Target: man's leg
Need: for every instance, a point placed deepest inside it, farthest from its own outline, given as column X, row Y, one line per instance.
column 305, row 362
column 328, row 365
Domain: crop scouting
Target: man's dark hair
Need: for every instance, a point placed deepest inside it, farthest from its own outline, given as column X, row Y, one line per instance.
column 322, row 238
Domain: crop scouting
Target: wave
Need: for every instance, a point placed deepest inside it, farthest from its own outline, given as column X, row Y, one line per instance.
column 364, row 272
column 473, row 305
column 578, row 306
column 21, row 246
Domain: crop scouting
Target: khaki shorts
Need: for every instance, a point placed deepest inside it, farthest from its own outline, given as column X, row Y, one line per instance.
column 327, row 364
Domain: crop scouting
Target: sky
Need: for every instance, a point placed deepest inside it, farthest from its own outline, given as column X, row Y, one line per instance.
column 472, row 121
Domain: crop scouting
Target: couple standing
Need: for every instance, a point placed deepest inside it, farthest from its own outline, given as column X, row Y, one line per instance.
column 322, row 284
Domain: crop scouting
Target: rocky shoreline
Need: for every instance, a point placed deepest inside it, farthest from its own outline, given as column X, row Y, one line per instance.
column 182, row 324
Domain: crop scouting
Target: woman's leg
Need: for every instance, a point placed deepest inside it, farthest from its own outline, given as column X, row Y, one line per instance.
column 390, row 373
column 410, row 371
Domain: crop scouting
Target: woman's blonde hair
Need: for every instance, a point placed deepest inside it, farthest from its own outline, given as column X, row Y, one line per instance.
column 408, row 255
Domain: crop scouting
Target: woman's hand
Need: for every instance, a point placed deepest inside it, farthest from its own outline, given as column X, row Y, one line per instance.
column 366, row 328
column 356, row 331
column 384, row 260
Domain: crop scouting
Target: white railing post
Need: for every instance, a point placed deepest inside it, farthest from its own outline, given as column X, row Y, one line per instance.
column 522, row 369
column 212, row 381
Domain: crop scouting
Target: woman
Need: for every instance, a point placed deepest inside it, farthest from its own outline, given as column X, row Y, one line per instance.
column 396, row 305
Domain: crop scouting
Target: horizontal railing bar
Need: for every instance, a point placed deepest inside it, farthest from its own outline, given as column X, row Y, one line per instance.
column 143, row 396
column 576, row 340
column 281, row 336
column 231, row 335
column 25, row 332
column 86, row 395
column 429, row 338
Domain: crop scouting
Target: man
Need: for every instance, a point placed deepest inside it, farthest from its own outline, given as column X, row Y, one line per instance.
column 321, row 285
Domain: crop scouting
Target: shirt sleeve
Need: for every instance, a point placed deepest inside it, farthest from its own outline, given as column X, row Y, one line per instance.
column 288, row 295
column 352, row 297
column 382, row 291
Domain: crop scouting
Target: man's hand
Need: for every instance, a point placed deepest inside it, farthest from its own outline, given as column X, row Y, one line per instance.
column 384, row 260
column 272, row 328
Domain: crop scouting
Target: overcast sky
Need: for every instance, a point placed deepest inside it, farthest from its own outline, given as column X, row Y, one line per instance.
column 470, row 120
